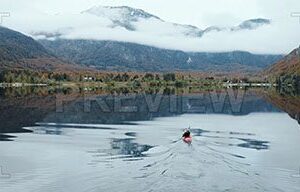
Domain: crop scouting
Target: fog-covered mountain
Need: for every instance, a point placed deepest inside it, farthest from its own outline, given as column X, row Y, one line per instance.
column 86, row 44
column 250, row 24
column 123, row 18
column 121, row 56
column 138, row 20
column 121, row 39
column 18, row 51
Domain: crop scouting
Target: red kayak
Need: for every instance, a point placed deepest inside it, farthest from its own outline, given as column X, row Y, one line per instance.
column 187, row 139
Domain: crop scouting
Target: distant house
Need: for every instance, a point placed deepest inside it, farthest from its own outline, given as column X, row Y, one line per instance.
column 88, row 78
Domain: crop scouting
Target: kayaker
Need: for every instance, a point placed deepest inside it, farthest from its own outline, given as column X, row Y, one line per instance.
column 186, row 137
column 186, row 133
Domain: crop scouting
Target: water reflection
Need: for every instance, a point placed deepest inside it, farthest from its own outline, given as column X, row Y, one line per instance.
column 24, row 107
column 254, row 144
column 286, row 101
column 142, row 157
column 4, row 137
column 46, row 130
column 249, row 143
column 128, row 148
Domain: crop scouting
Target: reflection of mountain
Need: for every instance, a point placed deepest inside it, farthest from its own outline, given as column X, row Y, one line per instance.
column 24, row 107
column 139, row 107
column 287, row 103
column 18, row 112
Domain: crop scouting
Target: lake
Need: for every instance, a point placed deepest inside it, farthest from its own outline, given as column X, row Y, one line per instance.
column 87, row 139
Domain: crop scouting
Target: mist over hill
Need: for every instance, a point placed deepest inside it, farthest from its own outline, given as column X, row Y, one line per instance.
column 122, row 56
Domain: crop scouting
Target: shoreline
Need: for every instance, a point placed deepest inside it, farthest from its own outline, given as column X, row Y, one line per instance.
column 3, row 85
column 91, row 84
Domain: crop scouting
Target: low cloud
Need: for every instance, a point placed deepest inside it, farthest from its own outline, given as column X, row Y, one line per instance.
column 277, row 35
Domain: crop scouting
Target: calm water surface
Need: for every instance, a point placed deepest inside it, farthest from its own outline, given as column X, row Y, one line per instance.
column 66, row 141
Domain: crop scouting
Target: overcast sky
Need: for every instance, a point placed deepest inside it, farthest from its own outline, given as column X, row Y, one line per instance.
column 281, row 37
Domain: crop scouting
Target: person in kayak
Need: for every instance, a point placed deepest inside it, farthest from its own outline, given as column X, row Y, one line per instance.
column 186, row 137
column 186, row 133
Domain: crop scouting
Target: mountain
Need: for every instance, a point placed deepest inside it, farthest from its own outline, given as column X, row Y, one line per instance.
column 15, row 46
column 131, row 19
column 117, row 20
column 138, row 20
column 252, row 24
column 125, row 14
column 122, row 56
column 122, row 16
column 289, row 65
column 18, row 51
column 127, row 39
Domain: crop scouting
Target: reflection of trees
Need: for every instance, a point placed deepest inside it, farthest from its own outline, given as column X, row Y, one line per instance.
column 286, row 101
column 289, row 82
column 26, row 106
column 289, row 90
